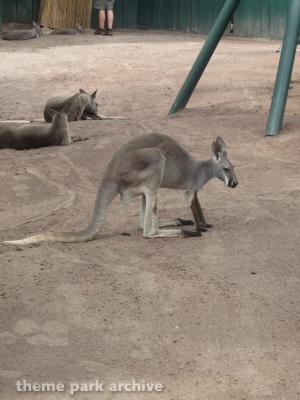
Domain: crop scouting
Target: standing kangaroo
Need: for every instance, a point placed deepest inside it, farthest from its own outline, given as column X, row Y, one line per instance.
column 81, row 106
column 22, row 136
column 141, row 167
column 33, row 33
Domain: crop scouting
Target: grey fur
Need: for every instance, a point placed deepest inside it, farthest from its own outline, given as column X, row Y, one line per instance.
column 33, row 33
column 81, row 106
column 140, row 168
column 68, row 31
column 22, row 136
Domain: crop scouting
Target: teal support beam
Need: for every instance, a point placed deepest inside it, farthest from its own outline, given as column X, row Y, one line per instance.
column 205, row 55
column 285, row 69
column 1, row 15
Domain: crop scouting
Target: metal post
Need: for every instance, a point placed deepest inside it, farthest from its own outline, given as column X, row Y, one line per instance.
column 1, row 15
column 285, row 69
column 205, row 54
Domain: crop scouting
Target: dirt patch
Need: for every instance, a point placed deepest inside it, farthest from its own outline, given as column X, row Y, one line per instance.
column 210, row 318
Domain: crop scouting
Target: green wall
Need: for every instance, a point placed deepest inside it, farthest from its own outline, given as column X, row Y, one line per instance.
column 254, row 18
column 0, row 14
column 23, row 11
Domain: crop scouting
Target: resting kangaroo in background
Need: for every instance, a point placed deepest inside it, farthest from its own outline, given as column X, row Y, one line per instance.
column 28, row 136
column 35, row 32
column 81, row 106
column 68, row 31
column 141, row 167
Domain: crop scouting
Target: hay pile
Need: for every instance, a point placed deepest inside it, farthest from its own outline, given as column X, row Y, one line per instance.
column 65, row 13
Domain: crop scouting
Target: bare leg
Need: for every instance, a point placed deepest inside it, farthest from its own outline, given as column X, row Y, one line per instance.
column 110, row 19
column 101, row 19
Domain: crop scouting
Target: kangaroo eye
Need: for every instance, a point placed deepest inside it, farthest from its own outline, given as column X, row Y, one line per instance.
column 226, row 169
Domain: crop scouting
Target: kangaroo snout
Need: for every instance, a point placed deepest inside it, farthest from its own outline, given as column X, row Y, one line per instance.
column 233, row 184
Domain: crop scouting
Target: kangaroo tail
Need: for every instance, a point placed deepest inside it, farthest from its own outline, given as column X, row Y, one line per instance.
column 106, row 194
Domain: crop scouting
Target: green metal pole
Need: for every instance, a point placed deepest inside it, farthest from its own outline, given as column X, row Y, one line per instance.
column 285, row 69
column 1, row 15
column 205, row 55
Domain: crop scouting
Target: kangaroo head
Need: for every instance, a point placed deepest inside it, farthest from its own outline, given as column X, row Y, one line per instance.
column 37, row 28
column 92, row 108
column 79, row 27
column 224, row 168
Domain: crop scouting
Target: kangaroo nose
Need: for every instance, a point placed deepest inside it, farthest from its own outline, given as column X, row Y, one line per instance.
column 234, row 184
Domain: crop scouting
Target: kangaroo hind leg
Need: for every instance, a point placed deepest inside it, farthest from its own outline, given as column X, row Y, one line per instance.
column 151, row 229
column 162, row 223
column 146, row 171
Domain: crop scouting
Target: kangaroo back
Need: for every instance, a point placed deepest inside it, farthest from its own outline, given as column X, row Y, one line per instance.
column 68, row 31
column 32, row 135
column 23, row 34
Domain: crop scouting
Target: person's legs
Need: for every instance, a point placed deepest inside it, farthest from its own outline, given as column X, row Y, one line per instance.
column 101, row 19
column 110, row 16
column 100, row 6
column 110, row 19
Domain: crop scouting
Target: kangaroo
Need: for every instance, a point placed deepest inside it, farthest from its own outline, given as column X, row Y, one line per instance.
column 81, row 106
column 33, row 33
column 140, row 168
column 68, row 31
column 31, row 135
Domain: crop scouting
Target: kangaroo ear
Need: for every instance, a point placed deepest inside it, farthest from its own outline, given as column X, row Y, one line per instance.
column 216, row 149
column 82, row 91
column 34, row 24
column 94, row 94
column 222, row 144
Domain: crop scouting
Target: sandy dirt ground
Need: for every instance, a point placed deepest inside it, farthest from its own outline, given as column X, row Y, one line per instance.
column 210, row 318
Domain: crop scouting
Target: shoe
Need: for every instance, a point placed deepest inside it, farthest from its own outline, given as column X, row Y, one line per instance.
column 109, row 32
column 99, row 32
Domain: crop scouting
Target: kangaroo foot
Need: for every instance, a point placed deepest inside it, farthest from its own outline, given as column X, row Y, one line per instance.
column 161, row 233
column 193, row 232
column 174, row 222
column 184, row 222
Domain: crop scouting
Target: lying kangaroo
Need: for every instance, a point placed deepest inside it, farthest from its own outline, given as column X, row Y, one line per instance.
column 81, row 107
column 31, row 135
column 141, row 167
column 68, row 31
column 33, row 33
